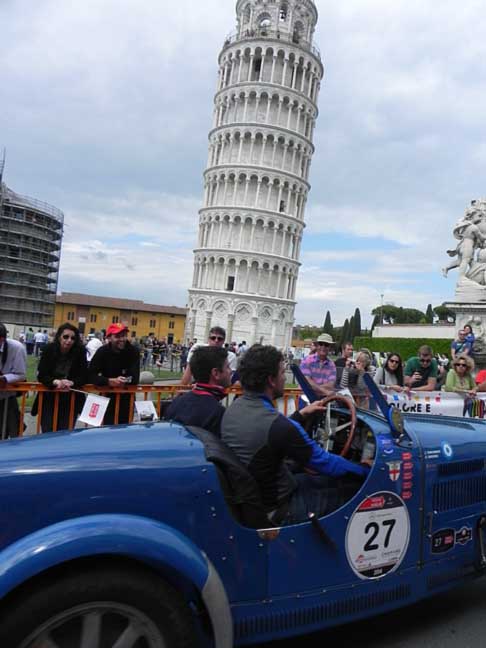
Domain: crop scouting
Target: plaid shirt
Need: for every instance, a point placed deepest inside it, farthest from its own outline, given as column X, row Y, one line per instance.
column 321, row 373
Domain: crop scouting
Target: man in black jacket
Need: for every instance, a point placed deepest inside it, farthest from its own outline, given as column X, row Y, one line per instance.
column 201, row 406
column 116, row 364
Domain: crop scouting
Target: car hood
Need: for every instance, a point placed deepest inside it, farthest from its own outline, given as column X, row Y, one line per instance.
column 153, row 470
column 160, row 444
column 448, row 439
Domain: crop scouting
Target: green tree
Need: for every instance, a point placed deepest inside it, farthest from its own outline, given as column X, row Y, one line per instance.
column 351, row 330
column 344, row 333
column 398, row 314
column 357, row 323
column 328, row 327
column 388, row 312
column 308, row 332
column 429, row 314
column 445, row 314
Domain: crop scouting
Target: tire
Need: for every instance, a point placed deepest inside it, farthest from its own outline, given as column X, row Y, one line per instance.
column 95, row 609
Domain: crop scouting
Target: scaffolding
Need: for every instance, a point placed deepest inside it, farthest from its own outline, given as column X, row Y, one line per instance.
column 30, row 247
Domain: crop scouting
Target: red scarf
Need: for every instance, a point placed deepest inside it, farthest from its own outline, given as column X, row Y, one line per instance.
column 203, row 389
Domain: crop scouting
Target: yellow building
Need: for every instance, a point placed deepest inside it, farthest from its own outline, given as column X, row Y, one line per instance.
column 90, row 314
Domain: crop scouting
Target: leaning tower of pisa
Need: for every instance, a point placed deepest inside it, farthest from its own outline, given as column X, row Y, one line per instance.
column 246, row 262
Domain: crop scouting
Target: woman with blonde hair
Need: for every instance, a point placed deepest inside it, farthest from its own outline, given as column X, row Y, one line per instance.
column 460, row 379
column 358, row 389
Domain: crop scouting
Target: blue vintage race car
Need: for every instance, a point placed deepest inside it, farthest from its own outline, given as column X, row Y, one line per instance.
column 152, row 535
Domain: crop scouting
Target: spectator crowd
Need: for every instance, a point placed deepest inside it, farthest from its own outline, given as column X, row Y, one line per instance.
column 67, row 361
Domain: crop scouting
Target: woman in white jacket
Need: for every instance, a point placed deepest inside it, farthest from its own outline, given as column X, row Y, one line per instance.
column 390, row 376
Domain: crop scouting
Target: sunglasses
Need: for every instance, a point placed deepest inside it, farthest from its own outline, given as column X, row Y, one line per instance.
column 216, row 338
column 425, row 359
column 68, row 337
column 324, row 344
column 460, row 364
column 391, row 361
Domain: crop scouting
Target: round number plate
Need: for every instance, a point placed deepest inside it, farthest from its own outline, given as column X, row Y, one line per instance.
column 377, row 536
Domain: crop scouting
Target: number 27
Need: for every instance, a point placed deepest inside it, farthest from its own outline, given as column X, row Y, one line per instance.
column 374, row 529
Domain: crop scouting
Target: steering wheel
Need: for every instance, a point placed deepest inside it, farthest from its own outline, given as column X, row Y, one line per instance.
column 351, row 424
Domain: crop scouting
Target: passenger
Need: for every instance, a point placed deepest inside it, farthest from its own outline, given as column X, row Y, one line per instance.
column 13, row 361
column 217, row 336
column 263, row 439
column 391, row 374
column 421, row 371
column 460, row 345
column 202, row 406
column 344, row 360
column 372, row 357
column 353, row 379
column 319, row 369
column 459, row 378
column 441, row 375
column 470, row 337
column 62, row 365
column 93, row 345
column 116, row 364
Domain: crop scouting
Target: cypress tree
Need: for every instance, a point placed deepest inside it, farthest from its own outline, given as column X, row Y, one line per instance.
column 350, row 337
column 345, row 332
column 429, row 315
column 328, row 327
column 357, row 323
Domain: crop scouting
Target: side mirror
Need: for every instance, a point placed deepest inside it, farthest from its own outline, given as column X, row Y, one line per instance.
column 303, row 383
column 393, row 416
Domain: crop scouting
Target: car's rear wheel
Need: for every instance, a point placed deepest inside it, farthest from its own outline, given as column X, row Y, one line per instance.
column 107, row 608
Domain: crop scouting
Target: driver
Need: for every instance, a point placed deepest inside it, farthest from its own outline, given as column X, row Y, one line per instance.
column 262, row 438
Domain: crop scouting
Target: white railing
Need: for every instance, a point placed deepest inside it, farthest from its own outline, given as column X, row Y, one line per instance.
column 273, row 34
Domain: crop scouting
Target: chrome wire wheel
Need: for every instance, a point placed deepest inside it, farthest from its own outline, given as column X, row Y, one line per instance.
column 102, row 624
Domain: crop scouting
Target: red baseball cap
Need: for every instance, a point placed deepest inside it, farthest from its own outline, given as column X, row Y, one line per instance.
column 116, row 329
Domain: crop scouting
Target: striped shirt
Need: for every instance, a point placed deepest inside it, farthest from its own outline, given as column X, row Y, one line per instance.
column 321, row 373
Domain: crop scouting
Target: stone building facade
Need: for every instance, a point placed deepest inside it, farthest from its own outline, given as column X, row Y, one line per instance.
column 246, row 263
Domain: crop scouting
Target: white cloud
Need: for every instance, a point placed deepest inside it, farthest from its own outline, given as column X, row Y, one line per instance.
column 107, row 114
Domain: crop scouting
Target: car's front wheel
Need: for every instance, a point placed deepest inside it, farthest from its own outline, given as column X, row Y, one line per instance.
column 99, row 608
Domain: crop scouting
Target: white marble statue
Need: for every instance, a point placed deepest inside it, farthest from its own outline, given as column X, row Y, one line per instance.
column 469, row 256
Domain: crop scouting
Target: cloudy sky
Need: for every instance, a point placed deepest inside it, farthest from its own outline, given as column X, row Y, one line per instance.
column 105, row 106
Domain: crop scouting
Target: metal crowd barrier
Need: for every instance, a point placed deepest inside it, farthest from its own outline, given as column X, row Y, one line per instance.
column 157, row 393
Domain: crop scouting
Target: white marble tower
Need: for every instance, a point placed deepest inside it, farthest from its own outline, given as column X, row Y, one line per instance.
column 246, row 262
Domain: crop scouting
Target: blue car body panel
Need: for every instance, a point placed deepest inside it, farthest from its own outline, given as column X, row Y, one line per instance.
column 147, row 492
column 141, row 539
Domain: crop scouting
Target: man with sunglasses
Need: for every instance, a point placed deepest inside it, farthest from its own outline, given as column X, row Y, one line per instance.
column 461, row 345
column 217, row 336
column 421, row 371
column 319, row 369
column 13, row 360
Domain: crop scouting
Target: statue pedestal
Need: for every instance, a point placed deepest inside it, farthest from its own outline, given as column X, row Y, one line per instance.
column 474, row 314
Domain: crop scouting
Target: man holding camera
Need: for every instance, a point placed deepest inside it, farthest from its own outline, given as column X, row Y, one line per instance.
column 344, row 361
column 116, row 364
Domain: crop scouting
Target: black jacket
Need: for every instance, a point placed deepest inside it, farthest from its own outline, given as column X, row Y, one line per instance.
column 202, row 410
column 78, row 371
column 107, row 363
column 47, row 373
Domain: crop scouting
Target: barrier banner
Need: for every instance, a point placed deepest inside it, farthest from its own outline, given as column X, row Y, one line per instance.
column 438, row 403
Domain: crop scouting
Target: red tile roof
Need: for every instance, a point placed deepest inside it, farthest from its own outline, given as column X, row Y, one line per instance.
column 78, row 299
